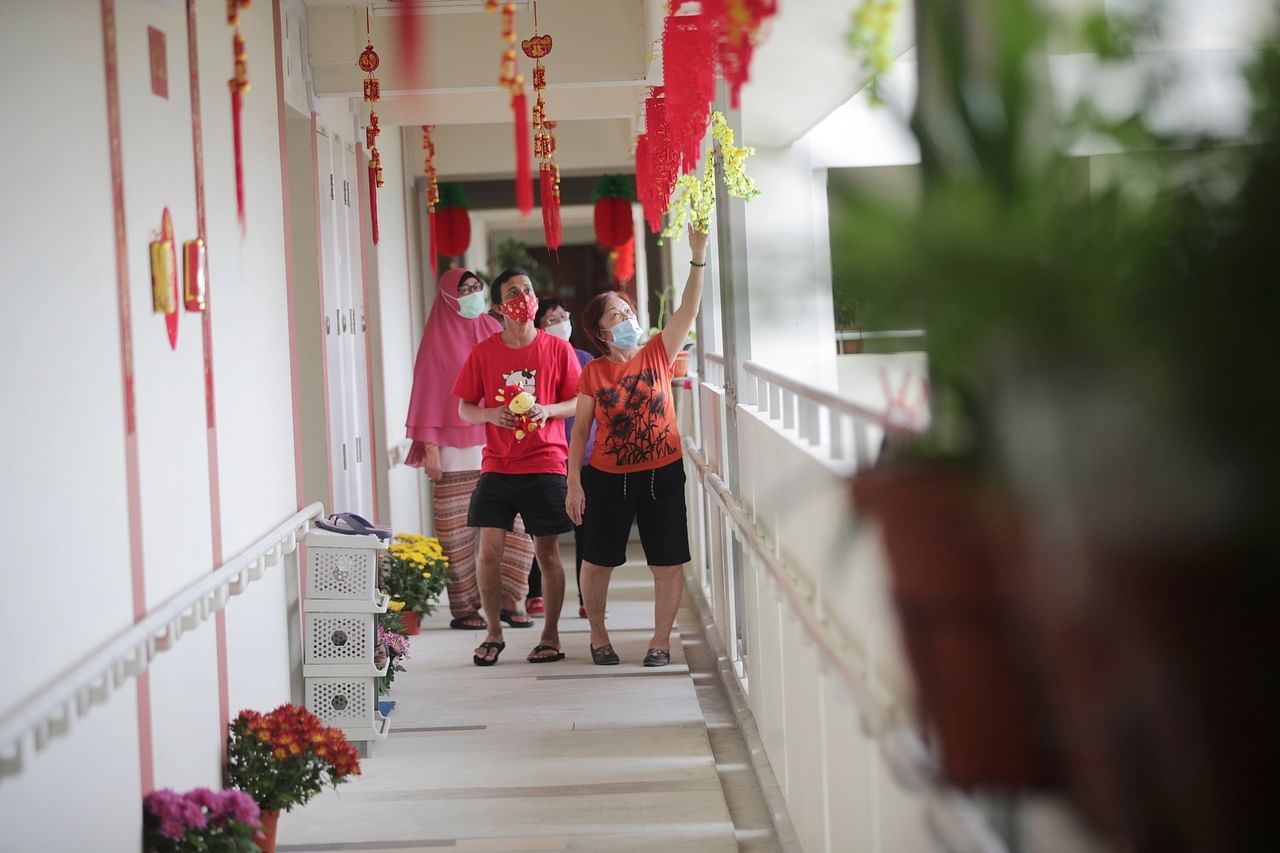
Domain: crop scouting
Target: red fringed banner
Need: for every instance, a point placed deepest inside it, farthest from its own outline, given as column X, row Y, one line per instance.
column 689, row 80
column 524, row 176
column 738, row 25
column 660, row 166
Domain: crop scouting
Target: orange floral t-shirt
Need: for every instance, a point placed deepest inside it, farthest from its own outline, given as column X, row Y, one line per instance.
column 635, row 413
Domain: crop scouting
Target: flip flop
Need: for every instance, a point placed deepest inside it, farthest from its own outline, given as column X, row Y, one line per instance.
column 487, row 646
column 352, row 525
column 460, row 624
column 509, row 616
column 559, row 655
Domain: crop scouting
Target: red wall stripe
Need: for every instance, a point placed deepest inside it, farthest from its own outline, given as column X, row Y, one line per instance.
column 206, row 325
column 133, row 487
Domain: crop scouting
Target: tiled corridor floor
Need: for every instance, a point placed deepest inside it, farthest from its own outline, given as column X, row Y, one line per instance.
column 559, row 756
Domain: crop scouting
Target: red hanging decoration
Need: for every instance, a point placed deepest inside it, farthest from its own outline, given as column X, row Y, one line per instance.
column 544, row 141
column 373, row 202
column 738, row 25
column 612, row 213
column 624, row 261
column 511, row 80
column 658, row 168
column 368, row 62
column 689, row 81
column 524, row 176
column 452, row 222
column 239, row 86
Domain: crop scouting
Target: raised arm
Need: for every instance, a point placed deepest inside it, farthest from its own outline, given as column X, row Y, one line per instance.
column 681, row 321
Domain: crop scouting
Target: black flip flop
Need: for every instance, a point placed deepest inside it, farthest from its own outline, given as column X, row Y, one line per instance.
column 559, row 655
column 460, row 624
column 509, row 616
column 484, row 661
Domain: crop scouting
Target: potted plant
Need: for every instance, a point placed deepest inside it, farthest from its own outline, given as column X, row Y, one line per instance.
column 392, row 649
column 412, row 573
column 1081, row 527
column 284, row 758
column 199, row 821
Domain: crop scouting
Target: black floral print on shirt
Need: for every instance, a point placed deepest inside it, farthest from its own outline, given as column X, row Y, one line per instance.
column 633, row 410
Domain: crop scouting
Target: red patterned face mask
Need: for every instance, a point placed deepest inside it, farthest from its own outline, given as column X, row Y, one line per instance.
column 521, row 308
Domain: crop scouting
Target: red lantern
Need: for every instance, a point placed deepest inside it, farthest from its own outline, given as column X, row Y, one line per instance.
column 452, row 222
column 613, row 221
column 624, row 262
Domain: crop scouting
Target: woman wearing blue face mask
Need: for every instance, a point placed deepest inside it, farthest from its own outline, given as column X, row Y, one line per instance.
column 635, row 470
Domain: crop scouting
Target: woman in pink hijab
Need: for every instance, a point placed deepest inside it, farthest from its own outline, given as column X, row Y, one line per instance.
column 449, row 450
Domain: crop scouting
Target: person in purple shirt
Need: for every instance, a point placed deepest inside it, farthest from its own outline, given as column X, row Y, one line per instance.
column 553, row 318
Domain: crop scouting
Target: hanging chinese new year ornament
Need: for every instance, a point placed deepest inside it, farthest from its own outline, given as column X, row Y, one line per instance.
column 453, row 222
column 738, row 24
column 538, row 48
column 612, row 215
column 164, row 278
column 368, row 62
column 689, row 81
column 239, row 86
column 511, row 80
column 433, row 195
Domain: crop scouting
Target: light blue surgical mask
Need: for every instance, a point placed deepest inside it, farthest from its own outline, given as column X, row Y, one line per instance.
column 472, row 305
column 626, row 335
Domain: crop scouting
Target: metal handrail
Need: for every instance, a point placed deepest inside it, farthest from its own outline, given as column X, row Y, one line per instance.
column 51, row 710
column 953, row 816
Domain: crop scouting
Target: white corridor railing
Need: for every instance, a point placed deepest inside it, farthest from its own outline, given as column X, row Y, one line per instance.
column 52, row 710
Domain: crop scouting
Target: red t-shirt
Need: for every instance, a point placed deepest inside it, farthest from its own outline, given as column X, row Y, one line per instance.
column 635, row 414
column 548, row 369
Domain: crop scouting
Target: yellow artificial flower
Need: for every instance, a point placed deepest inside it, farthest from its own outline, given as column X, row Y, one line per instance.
column 395, row 606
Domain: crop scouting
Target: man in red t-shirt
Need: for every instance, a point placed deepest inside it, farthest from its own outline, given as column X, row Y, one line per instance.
column 525, row 474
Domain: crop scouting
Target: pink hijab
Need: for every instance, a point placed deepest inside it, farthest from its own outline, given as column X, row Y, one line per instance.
column 448, row 339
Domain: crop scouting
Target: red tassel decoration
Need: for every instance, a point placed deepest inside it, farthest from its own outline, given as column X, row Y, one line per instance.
column 431, row 244
column 373, row 202
column 524, row 154
column 239, row 85
column 551, row 226
column 738, row 24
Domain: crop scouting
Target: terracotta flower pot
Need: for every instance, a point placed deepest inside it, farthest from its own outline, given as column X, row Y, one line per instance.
column 266, row 841
column 681, row 365
column 948, row 561
column 412, row 622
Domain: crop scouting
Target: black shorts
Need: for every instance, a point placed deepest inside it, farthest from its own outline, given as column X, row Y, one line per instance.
column 538, row 498
column 654, row 498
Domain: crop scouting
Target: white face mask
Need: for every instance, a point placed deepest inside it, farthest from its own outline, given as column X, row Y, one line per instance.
column 472, row 305
column 561, row 330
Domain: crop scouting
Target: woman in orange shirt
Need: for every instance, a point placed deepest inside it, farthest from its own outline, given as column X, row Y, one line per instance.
column 635, row 470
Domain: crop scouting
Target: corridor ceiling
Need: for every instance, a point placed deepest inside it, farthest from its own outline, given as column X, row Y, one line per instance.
column 605, row 56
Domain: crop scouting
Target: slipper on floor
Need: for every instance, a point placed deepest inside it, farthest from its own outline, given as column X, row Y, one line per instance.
column 486, row 660
column 461, row 623
column 534, row 655
column 509, row 616
column 657, row 657
column 604, row 656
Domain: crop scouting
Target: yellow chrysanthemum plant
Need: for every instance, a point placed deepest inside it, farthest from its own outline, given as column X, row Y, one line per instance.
column 694, row 198
column 412, row 573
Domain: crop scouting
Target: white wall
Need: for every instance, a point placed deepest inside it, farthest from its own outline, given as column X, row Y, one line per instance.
column 67, row 578
column 62, row 483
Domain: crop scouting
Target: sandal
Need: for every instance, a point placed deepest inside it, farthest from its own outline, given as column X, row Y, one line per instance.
column 509, row 616
column 604, row 655
column 468, row 623
column 489, row 646
column 535, row 657
column 536, row 606
column 352, row 525
column 657, row 657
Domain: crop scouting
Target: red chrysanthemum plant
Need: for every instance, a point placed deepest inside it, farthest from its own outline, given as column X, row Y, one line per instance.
column 284, row 758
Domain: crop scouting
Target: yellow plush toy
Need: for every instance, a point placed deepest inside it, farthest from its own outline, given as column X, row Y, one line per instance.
column 519, row 402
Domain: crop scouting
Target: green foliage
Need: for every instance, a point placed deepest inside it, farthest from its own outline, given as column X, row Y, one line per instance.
column 514, row 253
column 452, row 195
